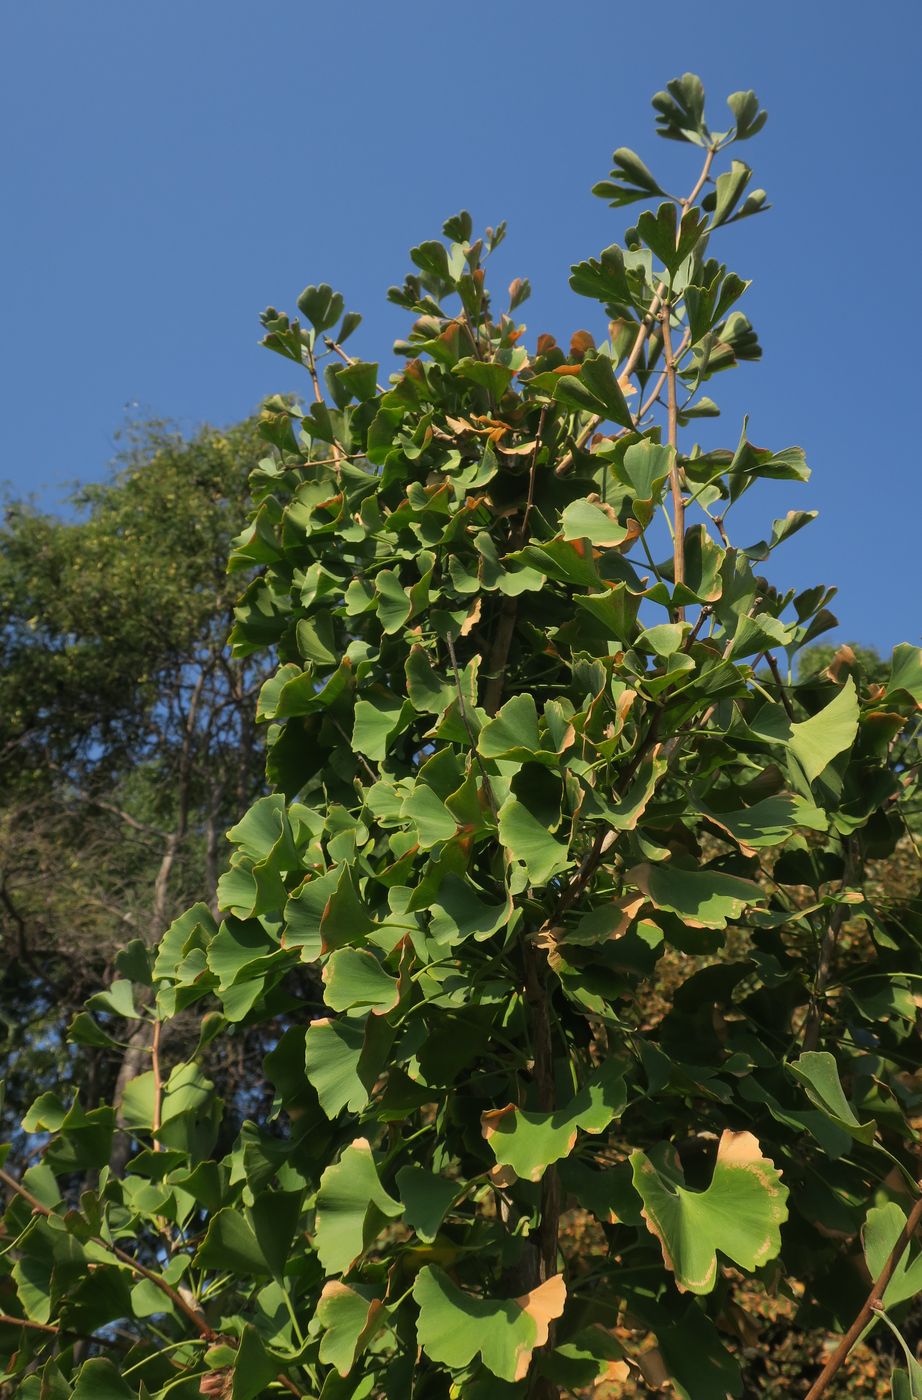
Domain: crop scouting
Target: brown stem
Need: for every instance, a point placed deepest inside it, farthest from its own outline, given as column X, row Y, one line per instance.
column 158, row 1084
column 702, row 178
column 655, row 392
column 647, row 324
column 55, row 1328
column 872, row 1304
column 189, row 1312
column 7, row 1320
column 814, row 1017
column 675, row 471
column 505, row 628
column 466, row 721
column 782, row 688
column 499, row 655
column 318, row 396
column 537, row 998
column 193, row 1316
column 344, row 356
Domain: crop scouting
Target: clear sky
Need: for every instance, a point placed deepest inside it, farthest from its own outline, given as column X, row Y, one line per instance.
column 171, row 168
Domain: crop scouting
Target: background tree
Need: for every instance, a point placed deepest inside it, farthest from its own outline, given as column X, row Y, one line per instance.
column 127, row 740
column 586, row 874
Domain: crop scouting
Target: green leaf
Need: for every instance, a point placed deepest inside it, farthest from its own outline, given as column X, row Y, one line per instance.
column 83, row 1030
column 376, row 722
column 231, row 1244
column 766, row 823
column 350, row 1316
column 118, row 998
column 728, row 188
column 321, row 305
column 455, row 1327
column 747, row 114
column 906, row 672
column 699, row 1366
column 493, row 377
column 355, row 980
column 529, row 1141
column 680, row 111
column 597, row 373
column 461, row 914
column 815, row 742
column 426, row 1197
column 254, row 1368
column 98, row 1379
column 595, row 522
column 342, row 1063
column 513, row 733
column 702, row 898
column 352, row 1206
column 603, row 278
column 740, row 1213
column 630, row 180
column 881, row 1231
column 669, row 239
column 818, row 1072
column 528, row 841
column 274, row 1216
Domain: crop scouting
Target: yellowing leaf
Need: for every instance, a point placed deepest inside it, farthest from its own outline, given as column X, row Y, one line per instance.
column 454, row 1326
column 739, row 1214
column 529, row 1141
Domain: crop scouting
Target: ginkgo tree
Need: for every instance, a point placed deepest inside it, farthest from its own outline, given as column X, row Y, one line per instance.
column 581, row 873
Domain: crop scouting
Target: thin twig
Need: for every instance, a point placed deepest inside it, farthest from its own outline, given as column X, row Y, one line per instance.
column 193, row 1316
column 523, row 528
column 646, row 326
column 813, row 1019
column 873, row 1303
column 346, row 358
column 782, row 688
column 675, row 473
column 338, row 452
column 157, row 1113
column 466, row 720
column 178, row 1301
column 655, row 392
column 505, row 628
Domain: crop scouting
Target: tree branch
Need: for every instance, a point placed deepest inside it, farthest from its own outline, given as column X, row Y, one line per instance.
column 158, row 1085
column 647, row 323
column 675, row 472
column 505, row 629
column 813, row 1019
column 872, row 1304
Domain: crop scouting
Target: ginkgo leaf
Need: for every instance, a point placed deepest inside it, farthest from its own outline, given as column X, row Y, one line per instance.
column 343, row 1058
column 352, row 1206
column 350, row 1316
column 529, row 1141
column 740, row 1213
column 426, row 1197
column 596, row 522
column 529, row 842
column 816, row 741
column 454, row 1326
column 818, row 1072
column 879, row 1236
column 702, row 898
column 353, row 978
column 766, row 823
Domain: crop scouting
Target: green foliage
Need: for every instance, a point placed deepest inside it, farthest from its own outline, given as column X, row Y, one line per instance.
column 585, row 879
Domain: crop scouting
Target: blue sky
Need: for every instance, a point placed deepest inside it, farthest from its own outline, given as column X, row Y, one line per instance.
column 171, row 168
